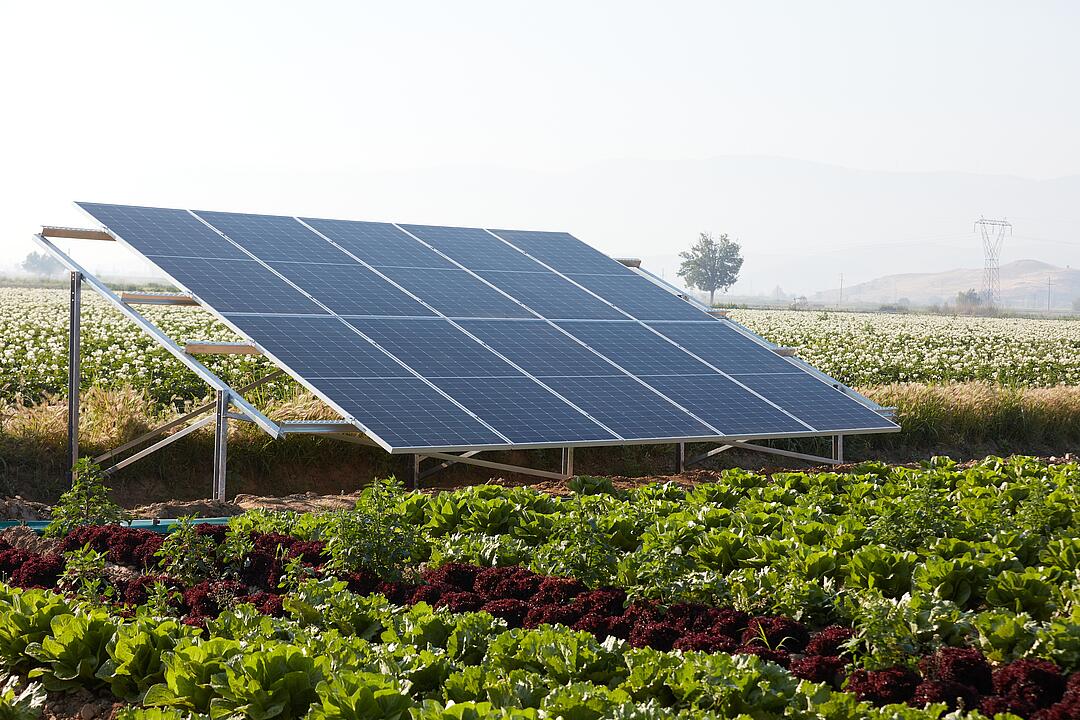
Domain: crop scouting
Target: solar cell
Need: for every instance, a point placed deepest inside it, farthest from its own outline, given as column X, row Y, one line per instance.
column 723, row 404
column 639, row 297
column 456, row 293
column 379, row 244
column 551, row 296
column 318, row 347
column 163, row 232
column 635, row 348
column 523, row 410
column 231, row 286
column 815, row 402
column 408, row 413
column 716, row 342
column 351, row 289
column 562, row 251
column 538, row 348
column 435, row 348
column 627, row 407
column 474, row 248
column 273, row 237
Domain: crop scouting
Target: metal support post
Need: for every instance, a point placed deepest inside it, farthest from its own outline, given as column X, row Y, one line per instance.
column 221, row 444
column 416, row 458
column 838, row 448
column 567, row 466
column 680, row 458
column 74, row 370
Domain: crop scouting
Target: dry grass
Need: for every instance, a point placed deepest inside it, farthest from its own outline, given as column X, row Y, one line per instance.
column 964, row 420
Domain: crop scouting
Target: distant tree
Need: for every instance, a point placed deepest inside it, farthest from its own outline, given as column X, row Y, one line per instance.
column 42, row 265
column 711, row 264
column 968, row 299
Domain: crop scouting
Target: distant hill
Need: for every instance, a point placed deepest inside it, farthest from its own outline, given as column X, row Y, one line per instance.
column 1023, row 285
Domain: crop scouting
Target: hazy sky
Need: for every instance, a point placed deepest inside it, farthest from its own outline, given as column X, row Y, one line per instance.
column 273, row 106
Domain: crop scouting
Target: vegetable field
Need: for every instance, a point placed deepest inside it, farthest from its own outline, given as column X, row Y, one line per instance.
column 884, row 592
column 862, row 350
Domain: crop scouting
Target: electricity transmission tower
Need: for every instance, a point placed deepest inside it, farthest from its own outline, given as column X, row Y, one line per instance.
column 993, row 236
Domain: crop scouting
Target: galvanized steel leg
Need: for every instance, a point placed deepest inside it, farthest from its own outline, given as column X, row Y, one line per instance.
column 568, row 462
column 680, row 458
column 74, row 370
column 838, row 448
column 416, row 458
column 221, row 444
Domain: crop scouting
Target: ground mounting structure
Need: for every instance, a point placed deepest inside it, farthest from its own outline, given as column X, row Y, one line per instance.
column 444, row 342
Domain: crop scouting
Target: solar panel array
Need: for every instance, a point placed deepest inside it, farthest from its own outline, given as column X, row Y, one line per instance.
column 432, row 338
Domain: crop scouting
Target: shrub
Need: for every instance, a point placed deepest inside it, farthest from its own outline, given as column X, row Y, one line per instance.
column 86, row 503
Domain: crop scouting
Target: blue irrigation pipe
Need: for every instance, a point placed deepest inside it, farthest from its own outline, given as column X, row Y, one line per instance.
column 162, row 525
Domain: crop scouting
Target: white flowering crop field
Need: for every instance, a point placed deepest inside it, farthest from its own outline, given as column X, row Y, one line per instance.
column 860, row 349
column 33, row 348
column 867, row 349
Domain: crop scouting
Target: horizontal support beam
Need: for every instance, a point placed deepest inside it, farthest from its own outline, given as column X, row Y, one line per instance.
column 148, row 298
column 443, row 465
column 785, row 453
column 211, row 347
column 785, row 351
column 316, row 427
column 494, row 465
column 629, row 262
column 718, row 313
column 76, row 233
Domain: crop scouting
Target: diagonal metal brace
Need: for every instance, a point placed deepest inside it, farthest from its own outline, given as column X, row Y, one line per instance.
column 160, row 337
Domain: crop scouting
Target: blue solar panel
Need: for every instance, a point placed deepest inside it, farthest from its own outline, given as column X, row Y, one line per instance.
column 379, row 244
column 318, row 347
column 523, row 410
column 274, row 237
column 456, row 293
column 232, row 286
column 562, row 251
column 635, row 348
column 408, row 413
column 716, row 342
column 351, row 289
column 729, row 408
column 538, row 348
column 163, row 232
column 639, row 297
column 551, row 296
column 305, row 291
column 435, row 348
column 822, row 406
column 628, row 408
column 474, row 248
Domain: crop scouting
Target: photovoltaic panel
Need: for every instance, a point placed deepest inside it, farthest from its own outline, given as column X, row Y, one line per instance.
column 231, row 286
column 352, row 310
column 163, row 232
column 716, row 342
column 724, row 405
column 434, row 348
column 272, row 238
column 523, row 410
column 562, row 251
column 474, row 248
column 639, row 297
column 379, row 244
column 630, row 409
column 407, row 412
column 551, row 296
column 635, row 348
column 815, row 402
column 456, row 293
column 318, row 347
column 351, row 289
column 538, row 348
